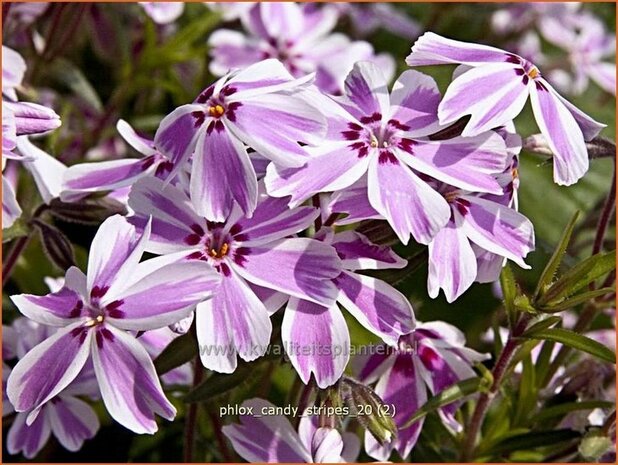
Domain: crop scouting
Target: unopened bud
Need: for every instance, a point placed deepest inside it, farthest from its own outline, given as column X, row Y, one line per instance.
column 369, row 410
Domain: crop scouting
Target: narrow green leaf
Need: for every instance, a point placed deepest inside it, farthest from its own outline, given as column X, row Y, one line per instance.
column 543, row 324
column 576, row 341
column 527, row 392
column 449, row 395
column 576, row 300
column 217, row 384
column 578, row 277
column 180, row 351
column 72, row 77
column 532, row 440
column 554, row 262
column 563, row 409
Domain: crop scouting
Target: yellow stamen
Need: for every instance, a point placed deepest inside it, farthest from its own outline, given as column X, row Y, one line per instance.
column 220, row 253
column 216, row 111
column 515, row 173
column 374, row 141
column 95, row 321
column 451, row 196
column 534, row 72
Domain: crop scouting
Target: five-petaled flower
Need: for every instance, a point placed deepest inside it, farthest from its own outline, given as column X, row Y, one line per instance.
column 95, row 313
column 493, row 87
column 386, row 136
column 261, row 106
column 259, row 264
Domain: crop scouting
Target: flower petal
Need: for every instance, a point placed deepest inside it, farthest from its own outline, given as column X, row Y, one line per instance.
column 172, row 214
column 562, row 133
column 28, row 439
column 10, row 208
column 344, row 168
column 452, row 263
column 162, row 291
column 265, row 438
column 326, row 446
column 493, row 95
column 300, row 267
column 114, row 253
column 130, row 388
column 72, row 421
column 354, row 203
column 366, row 88
column 48, row 368
column 317, row 340
column 274, row 124
column 498, row 229
column 376, row 305
column 221, row 174
column 432, row 49
column 58, row 308
column 359, row 253
column 409, row 204
column 83, row 178
column 471, row 163
column 273, row 220
column 231, row 50
column 414, row 102
column 402, row 387
column 233, row 322
column 46, row 170
column 177, row 134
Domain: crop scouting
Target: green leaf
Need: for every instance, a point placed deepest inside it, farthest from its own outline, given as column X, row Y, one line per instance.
column 576, row 300
column 576, row 341
column 578, row 277
column 554, row 262
column 218, row 383
column 66, row 73
column 527, row 392
column 449, row 395
column 181, row 350
column 543, row 324
column 563, row 409
column 531, row 440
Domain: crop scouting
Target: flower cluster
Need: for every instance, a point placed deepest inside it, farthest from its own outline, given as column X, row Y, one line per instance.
column 244, row 205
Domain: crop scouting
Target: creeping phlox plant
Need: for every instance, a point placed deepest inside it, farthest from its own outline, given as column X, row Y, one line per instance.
column 267, row 240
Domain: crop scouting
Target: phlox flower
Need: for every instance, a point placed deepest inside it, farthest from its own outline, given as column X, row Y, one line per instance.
column 94, row 313
column 590, row 48
column 259, row 264
column 66, row 416
column 433, row 357
column 257, row 106
column 495, row 90
column 479, row 220
column 300, row 36
column 367, row 18
column 272, row 439
column 316, row 337
column 386, row 136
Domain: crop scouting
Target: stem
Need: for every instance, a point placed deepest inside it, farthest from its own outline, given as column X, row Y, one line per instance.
column 225, row 451
column 191, row 423
column 485, row 399
column 606, row 215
